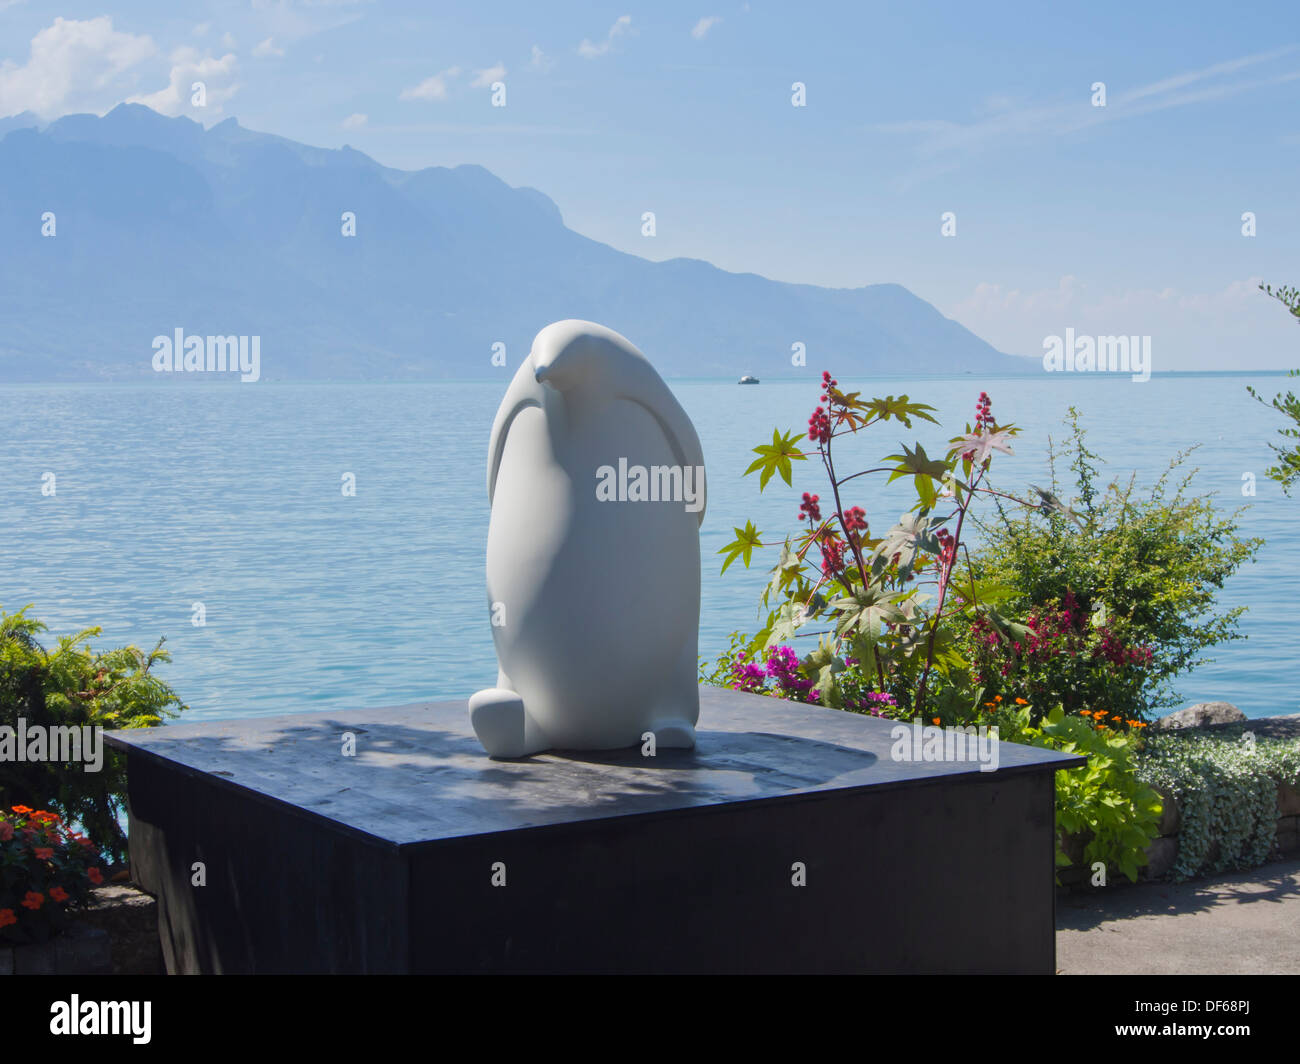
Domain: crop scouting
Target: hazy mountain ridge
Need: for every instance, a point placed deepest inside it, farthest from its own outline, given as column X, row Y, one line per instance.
column 163, row 224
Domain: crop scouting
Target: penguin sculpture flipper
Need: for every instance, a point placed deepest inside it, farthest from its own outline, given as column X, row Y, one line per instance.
column 524, row 392
column 651, row 393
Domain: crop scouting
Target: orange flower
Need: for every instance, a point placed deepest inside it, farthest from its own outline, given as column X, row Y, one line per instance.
column 1085, row 713
column 95, row 875
column 7, row 917
column 1116, row 716
column 58, row 894
column 23, row 810
column 990, row 704
column 997, row 698
column 44, row 853
column 33, row 900
column 1022, row 702
column 936, row 720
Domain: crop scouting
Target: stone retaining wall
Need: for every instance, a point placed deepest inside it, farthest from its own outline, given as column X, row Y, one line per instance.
column 1163, row 851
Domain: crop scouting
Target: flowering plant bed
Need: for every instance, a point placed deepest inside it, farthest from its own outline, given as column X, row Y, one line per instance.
column 47, row 871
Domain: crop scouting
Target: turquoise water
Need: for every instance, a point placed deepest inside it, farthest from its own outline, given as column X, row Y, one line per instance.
column 230, row 495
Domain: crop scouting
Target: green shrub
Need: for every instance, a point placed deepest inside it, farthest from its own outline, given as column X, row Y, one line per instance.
column 1105, row 798
column 1226, row 789
column 74, row 685
column 1139, row 575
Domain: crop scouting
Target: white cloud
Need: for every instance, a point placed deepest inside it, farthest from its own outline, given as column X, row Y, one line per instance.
column 701, row 29
column 355, row 121
column 621, row 26
column 73, row 65
column 267, row 49
column 1237, row 326
column 483, row 78
column 188, row 66
column 228, row 41
column 431, row 88
column 540, row 61
column 201, row 30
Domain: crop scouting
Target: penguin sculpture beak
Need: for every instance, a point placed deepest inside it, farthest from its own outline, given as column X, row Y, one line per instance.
column 541, row 374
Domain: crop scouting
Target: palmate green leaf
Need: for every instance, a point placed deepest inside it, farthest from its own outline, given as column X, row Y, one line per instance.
column 866, row 610
column 924, row 470
column 911, row 535
column 984, row 592
column 776, row 458
column 947, row 655
column 786, row 572
column 821, row 666
column 899, row 409
column 865, row 647
column 742, row 546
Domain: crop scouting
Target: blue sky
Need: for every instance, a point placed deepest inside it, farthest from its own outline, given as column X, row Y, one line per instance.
column 1122, row 219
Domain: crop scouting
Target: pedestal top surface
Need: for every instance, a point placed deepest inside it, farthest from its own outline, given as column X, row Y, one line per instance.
column 419, row 775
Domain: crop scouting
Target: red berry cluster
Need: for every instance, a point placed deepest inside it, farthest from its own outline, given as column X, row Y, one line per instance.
column 947, row 547
column 984, row 412
column 819, row 425
column 832, row 555
column 810, row 509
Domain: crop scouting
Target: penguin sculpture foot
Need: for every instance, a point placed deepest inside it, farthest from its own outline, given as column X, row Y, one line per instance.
column 503, row 725
column 674, row 735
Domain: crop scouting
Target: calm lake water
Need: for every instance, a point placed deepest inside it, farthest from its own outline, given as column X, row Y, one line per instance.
column 230, row 495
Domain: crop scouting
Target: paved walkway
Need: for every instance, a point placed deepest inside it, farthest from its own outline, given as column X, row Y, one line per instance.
column 1236, row 924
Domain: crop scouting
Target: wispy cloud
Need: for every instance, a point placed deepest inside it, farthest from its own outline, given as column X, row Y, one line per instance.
column 540, row 61
column 622, row 25
column 942, row 137
column 267, row 49
column 484, row 78
column 355, row 121
column 431, row 88
column 701, row 28
column 1189, row 328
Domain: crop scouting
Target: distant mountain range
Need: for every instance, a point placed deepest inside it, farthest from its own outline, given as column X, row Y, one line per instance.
column 160, row 224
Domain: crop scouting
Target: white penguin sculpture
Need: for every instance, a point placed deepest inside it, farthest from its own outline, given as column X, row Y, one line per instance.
column 596, row 480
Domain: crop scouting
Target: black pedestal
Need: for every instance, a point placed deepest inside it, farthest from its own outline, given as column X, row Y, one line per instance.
column 419, row 854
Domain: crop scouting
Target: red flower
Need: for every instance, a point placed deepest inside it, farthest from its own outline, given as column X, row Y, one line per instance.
column 7, row 917
column 95, row 876
column 6, row 831
column 33, row 900
column 44, row 853
column 58, row 894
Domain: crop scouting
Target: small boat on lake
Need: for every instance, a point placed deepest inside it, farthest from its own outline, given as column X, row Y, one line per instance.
column 747, row 379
